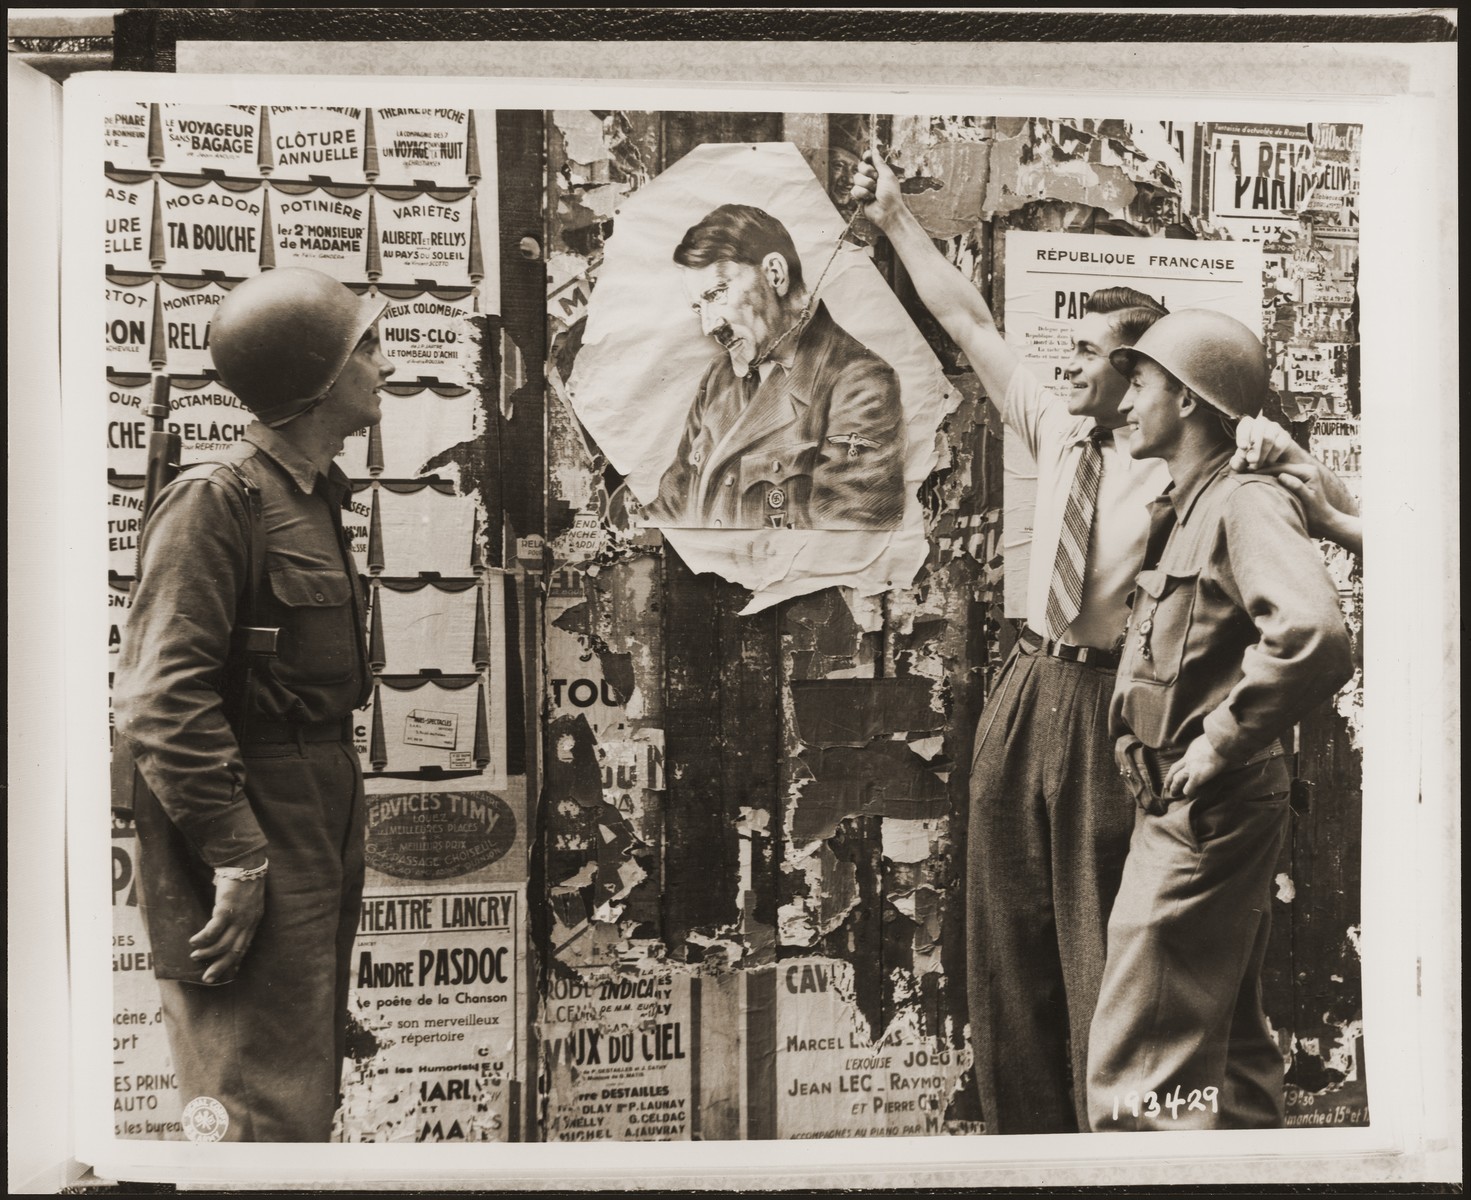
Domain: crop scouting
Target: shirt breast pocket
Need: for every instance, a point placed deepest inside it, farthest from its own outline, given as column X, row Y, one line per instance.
column 318, row 632
column 1164, row 608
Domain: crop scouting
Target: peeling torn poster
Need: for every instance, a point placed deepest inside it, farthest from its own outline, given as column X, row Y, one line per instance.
column 1049, row 277
column 617, row 1050
column 1263, row 180
column 436, row 999
column 833, row 1080
column 760, row 387
column 1257, row 175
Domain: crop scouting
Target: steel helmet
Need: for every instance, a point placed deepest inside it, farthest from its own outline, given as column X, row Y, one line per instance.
column 1215, row 356
column 280, row 339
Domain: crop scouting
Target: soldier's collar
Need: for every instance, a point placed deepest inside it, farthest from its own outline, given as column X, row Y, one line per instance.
column 1184, row 493
column 301, row 470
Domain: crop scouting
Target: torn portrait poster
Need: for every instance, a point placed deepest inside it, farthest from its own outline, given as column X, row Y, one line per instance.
column 754, row 379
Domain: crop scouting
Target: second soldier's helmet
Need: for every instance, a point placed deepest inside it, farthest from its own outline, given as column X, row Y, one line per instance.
column 1215, row 356
column 280, row 339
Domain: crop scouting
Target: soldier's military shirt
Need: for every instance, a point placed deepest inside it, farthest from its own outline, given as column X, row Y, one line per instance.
column 169, row 698
column 1235, row 629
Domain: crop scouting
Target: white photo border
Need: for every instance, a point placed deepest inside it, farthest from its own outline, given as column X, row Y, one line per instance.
column 1411, row 775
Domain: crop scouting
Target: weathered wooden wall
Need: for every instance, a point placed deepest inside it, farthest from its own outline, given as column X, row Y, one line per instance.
column 705, row 818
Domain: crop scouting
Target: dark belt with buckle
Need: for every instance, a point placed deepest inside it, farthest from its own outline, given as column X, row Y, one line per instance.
column 275, row 733
column 1144, row 769
column 1090, row 656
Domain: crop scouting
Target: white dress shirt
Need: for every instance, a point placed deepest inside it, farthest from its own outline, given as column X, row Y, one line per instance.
column 1120, row 521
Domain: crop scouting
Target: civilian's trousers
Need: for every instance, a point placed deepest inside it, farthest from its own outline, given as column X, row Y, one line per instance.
column 269, row 1045
column 1049, row 828
column 1180, row 1040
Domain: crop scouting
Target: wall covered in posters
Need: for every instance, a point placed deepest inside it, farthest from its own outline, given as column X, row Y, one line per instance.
column 731, row 907
column 796, row 860
column 396, row 201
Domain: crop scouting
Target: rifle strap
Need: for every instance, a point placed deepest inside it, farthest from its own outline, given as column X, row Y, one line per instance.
column 245, row 642
column 256, row 534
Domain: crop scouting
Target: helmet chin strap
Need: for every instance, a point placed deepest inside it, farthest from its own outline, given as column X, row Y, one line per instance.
column 279, row 422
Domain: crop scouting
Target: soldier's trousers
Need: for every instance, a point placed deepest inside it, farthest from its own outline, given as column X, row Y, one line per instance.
column 269, row 1045
column 1049, row 828
column 1180, row 1040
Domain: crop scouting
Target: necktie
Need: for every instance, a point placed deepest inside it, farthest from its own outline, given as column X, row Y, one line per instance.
column 1065, row 593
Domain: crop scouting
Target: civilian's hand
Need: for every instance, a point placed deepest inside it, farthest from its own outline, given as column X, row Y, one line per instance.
column 1264, row 448
column 1306, row 481
column 876, row 188
column 1260, row 442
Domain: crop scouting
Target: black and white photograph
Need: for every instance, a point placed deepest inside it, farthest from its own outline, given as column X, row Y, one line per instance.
column 898, row 619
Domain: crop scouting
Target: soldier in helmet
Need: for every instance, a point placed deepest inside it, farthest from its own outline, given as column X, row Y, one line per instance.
column 250, row 817
column 1234, row 635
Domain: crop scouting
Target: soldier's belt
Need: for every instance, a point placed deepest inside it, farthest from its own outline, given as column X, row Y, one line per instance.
column 1144, row 769
column 275, row 733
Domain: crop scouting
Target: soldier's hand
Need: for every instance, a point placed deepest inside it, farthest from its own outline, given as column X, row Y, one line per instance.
column 876, row 188
column 239, row 905
column 1198, row 766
